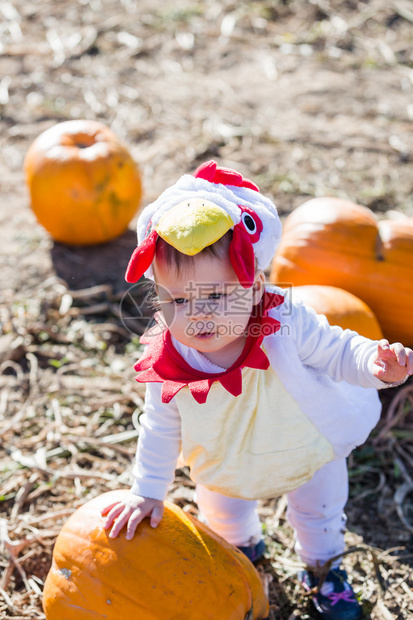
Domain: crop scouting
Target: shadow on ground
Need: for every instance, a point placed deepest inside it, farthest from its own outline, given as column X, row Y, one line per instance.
column 86, row 266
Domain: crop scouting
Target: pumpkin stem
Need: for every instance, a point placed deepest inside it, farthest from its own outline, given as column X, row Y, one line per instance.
column 83, row 140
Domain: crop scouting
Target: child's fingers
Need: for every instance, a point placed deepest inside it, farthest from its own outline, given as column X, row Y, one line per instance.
column 156, row 516
column 136, row 517
column 121, row 514
column 385, row 350
column 404, row 356
column 395, row 351
column 383, row 345
column 107, row 508
column 113, row 514
column 120, row 522
column 400, row 353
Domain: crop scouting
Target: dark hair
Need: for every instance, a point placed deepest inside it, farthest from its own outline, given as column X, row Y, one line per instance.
column 167, row 254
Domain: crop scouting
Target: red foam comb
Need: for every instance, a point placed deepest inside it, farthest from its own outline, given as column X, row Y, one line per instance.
column 212, row 173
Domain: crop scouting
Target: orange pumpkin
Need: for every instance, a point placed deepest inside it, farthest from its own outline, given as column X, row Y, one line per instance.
column 339, row 243
column 84, row 185
column 340, row 307
column 180, row 569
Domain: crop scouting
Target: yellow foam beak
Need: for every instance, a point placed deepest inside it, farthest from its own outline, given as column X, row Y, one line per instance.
column 193, row 224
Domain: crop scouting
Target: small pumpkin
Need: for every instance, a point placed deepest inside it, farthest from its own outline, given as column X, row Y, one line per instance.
column 340, row 308
column 339, row 243
column 84, row 185
column 180, row 569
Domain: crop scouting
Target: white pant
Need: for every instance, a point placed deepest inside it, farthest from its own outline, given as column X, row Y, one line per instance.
column 315, row 510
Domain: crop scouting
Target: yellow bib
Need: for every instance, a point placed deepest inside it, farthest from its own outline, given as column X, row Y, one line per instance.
column 256, row 445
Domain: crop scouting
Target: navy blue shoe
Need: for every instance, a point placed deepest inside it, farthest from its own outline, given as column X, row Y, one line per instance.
column 336, row 599
column 254, row 552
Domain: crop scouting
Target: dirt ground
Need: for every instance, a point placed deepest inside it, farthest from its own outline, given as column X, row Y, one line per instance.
column 307, row 99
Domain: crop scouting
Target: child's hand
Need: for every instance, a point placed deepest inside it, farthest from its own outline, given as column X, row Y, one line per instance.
column 131, row 511
column 393, row 362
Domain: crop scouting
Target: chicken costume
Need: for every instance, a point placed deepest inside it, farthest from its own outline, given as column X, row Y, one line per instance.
column 284, row 416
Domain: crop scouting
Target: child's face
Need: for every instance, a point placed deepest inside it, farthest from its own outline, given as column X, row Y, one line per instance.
column 206, row 308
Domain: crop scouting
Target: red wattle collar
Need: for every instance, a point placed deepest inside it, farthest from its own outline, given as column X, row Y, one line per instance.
column 161, row 362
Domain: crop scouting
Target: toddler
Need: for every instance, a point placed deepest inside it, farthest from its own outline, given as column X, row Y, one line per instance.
column 258, row 396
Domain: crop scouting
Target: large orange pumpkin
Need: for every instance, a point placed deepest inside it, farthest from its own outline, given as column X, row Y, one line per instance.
column 340, row 307
column 339, row 243
column 84, row 185
column 180, row 569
